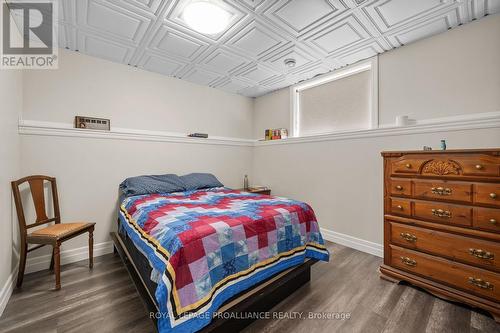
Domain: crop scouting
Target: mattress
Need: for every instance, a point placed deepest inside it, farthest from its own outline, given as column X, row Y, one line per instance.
column 204, row 247
column 141, row 263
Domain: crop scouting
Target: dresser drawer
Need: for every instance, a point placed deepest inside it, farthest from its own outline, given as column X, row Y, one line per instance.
column 444, row 190
column 455, row 165
column 444, row 213
column 400, row 187
column 400, row 207
column 487, row 219
column 476, row 280
column 407, row 165
column 487, row 194
column 469, row 250
column 479, row 165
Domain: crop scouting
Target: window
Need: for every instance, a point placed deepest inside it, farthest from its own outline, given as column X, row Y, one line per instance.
column 344, row 100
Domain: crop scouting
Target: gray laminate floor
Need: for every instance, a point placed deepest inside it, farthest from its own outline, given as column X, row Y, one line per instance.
column 104, row 300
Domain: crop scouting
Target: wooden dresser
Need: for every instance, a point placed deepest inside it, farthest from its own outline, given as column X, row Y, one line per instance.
column 442, row 223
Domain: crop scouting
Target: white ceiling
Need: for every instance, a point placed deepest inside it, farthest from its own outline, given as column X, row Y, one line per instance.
column 247, row 58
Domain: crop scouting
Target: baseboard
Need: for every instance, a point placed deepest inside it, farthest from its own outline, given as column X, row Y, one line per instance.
column 353, row 242
column 43, row 262
column 40, row 263
column 7, row 289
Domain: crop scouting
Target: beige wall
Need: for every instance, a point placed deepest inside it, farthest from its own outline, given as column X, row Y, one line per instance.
column 89, row 170
column 271, row 111
column 132, row 98
column 11, row 105
column 454, row 73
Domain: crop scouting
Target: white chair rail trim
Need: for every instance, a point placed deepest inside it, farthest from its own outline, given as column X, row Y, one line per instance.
column 454, row 123
column 33, row 127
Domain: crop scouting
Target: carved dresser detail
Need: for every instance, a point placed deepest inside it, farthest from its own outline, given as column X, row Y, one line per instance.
column 442, row 223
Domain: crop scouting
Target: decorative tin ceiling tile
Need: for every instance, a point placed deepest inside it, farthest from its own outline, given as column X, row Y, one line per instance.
column 248, row 57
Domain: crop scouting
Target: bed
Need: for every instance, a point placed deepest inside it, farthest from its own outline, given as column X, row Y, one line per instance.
column 194, row 254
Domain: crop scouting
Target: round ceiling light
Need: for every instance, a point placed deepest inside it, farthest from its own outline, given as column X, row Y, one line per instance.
column 290, row 62
column 206, row 17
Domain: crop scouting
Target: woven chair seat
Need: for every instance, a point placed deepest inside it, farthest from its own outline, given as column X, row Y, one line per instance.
column 60, row 230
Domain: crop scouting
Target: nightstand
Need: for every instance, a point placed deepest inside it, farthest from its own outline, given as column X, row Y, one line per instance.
column 257, row 191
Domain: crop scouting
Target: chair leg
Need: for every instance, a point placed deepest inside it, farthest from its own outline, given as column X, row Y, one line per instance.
column 52, row 261
column 22, row 264
column 57, row 265
column 91, row 248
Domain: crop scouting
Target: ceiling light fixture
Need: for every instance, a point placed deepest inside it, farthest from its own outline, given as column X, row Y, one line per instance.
column 206, row 16
column 290, row 62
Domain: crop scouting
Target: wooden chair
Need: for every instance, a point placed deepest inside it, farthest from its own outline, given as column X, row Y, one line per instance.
column 53, row 234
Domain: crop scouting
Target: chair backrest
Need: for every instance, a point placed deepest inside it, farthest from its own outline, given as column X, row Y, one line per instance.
column 36, row 184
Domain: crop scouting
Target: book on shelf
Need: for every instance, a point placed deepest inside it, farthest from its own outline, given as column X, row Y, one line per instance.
column 275, row 134
column 198, row 135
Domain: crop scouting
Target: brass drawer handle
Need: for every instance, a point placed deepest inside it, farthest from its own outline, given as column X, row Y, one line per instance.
column 441, row 190
column 481, row 254
column 400, row 207
column 493, row 195
column 408, row 262
column 399, row 188
column 408, row 165
column 480, row 283
column 441, row 213
column 479, row 166
column 408, row 237
column 493, row 221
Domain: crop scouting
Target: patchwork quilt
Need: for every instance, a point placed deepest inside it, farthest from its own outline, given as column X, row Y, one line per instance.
column 209, row 245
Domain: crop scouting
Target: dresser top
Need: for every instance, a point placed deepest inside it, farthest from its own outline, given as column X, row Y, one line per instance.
column 396, row 153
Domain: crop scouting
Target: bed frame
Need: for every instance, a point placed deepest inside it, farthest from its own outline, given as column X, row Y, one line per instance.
column 261, row 298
